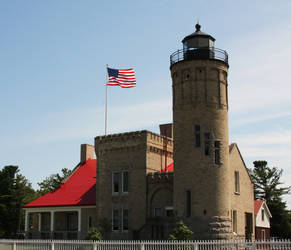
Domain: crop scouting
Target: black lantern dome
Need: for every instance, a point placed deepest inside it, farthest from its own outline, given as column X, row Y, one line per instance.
column 198, row 39
column 199, row 46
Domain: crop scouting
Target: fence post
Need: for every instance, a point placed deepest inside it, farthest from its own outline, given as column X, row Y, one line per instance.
column 14, row 245
column 141, row 247
column 94, row 246
column 52, row 246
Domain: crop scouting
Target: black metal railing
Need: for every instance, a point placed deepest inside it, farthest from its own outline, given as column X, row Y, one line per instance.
column 199, row 53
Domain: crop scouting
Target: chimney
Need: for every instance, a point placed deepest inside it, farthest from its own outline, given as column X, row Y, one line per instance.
column 87, row 152
column 167, row 130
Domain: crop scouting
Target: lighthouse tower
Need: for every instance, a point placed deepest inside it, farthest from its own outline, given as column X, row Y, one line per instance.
column 201, row 150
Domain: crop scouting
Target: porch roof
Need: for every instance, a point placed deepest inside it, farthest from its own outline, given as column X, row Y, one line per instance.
column 78, row 190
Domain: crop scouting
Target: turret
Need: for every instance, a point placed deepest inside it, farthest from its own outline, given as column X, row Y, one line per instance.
column 200, row 120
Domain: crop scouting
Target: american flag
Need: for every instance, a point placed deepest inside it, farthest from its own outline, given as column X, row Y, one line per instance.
column 125, row 78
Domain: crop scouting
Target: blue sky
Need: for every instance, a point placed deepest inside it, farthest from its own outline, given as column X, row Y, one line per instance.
column 52, row 74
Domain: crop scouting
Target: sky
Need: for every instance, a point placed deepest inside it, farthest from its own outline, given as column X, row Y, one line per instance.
column 53, row 57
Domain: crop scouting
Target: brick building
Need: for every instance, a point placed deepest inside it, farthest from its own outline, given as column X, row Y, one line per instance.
column 146, row 182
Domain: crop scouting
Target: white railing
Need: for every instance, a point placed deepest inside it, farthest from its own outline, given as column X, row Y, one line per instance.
column 143, row 245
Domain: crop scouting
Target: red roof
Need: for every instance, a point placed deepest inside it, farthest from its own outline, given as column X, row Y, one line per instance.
column 258, row 204
column 169, row 168
column 78, row 190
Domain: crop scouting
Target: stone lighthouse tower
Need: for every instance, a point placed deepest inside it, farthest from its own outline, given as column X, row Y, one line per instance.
column 201, row 151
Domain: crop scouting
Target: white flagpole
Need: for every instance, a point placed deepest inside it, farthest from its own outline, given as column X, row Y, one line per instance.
column 106, row 87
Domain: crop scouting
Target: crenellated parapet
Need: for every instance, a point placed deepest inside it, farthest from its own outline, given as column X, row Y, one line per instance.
column 126, row 142
column 160, row 177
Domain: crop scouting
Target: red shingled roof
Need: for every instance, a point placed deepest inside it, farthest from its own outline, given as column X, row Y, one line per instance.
column 78, row 190
column 258, row 204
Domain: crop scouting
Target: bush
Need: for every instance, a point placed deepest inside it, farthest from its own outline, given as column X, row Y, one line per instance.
column 94, row 234
column 181, row 232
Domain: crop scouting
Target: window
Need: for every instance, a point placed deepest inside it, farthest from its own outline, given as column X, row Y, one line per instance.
column 188, row 203
column 169, row 211
column 157, row 212
column 125, row 219
column 263, row 235
column 197, row 136
column 207, row 143
column 234, row 221
column 115, row 182
column 217, row 152
column 115, row 221
column 89, row 225
column 125, row 182
column 263, row 214
column 236, row 180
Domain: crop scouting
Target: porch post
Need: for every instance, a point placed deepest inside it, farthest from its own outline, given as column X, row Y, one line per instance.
column 52, row 221
column 79, row 220
column 39, row 222
column 26, row 221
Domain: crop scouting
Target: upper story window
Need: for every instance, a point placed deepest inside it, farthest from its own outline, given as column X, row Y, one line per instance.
column 263, row 214
column 197, row 136
column 115, row 183
column 236, row 180
column 217, row 152
column 207, row 143
column 125, row 181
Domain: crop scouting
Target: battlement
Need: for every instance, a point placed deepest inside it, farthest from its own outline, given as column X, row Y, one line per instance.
column 160, row 177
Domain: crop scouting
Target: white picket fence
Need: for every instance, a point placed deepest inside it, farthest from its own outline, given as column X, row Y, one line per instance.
column 143, row 245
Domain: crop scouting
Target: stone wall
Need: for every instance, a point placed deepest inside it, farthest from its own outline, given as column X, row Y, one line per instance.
column 242, row 201
column 200, row 99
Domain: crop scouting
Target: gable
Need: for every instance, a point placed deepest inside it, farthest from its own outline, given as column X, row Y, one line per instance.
column 235, row 157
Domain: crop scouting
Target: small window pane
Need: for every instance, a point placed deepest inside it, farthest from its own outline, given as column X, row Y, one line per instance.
column 115, row 182
column 158, row 212
column 125, row 181
column 115, row 223
column 125, row 219
column 236, row 176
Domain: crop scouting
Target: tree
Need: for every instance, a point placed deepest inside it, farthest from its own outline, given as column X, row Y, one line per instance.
column 53, row 182
column 15, row 192
column 267, row 186
column 181, row 232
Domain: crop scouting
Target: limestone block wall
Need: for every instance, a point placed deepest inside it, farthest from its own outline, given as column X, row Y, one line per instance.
column 242, row 201
column 159, row 152
column 200, row 98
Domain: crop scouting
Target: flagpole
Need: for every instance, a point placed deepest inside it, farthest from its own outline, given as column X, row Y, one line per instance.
column 106, row 92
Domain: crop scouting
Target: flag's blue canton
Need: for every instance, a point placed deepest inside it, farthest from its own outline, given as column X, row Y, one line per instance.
column 112, row 72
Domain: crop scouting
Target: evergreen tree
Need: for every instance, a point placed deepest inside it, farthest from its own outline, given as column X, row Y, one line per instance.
column 267, row 186
column 15, row 192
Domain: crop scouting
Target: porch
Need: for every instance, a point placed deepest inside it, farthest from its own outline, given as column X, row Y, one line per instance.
column 58, row 223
